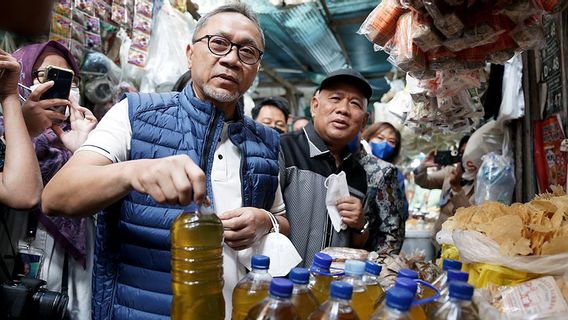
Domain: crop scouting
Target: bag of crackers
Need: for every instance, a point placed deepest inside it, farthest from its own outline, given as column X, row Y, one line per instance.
column 506, row 245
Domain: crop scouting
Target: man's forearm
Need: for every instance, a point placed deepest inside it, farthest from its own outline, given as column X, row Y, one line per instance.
column 81, row 190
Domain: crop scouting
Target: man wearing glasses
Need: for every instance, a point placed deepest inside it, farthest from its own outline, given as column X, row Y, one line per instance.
column 154, row 154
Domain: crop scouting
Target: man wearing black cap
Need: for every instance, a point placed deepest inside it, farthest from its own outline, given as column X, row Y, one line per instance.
column 272, row 112
column 309, row 156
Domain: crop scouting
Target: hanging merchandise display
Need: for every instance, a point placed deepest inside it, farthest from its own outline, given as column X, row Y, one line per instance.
column 444, row 44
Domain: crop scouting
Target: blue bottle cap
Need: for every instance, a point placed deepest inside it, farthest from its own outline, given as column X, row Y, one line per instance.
column 461, row 290
column 299, row 276
column 450, row 264
column 341, row 290
column 281, row 287
column 321, row 263
column 407, row 284
column 407, row 273
column 373, row 268
column 260, row 262
column 455, row 275
column 399, row 298
column 354, row 268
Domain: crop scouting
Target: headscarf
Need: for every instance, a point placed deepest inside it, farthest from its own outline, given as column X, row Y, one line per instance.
column 70, row 233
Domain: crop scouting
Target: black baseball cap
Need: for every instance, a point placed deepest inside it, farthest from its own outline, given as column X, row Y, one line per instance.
column 349, row 76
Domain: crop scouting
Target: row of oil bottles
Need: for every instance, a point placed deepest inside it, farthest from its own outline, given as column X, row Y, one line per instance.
column 318, row 294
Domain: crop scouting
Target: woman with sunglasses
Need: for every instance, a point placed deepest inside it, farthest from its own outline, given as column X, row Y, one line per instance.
column 67, row 243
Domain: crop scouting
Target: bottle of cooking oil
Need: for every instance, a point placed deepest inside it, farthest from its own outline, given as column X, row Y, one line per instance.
column 252, row 288
column 320, row 276
column 451, row 275
column 397, row 305
column 338, row 307
column 278, row 305
column 459, row 305
column 197, row 266
column 302, row 297
column 361, row 300
column 447, row 264
column 371, row 280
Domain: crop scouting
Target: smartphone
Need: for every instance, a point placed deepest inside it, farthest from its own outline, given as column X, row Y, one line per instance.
column 447, row 157
column 62, row 78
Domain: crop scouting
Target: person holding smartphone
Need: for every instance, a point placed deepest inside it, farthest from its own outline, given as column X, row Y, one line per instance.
column 48, row 85
column 456, row 192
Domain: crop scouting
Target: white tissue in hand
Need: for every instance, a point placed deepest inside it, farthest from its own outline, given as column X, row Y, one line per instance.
column 282, row 253
column 337, row 188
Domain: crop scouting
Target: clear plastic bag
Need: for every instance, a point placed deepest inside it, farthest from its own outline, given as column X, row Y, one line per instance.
column 422, row 33
column 167, row 59
column 380, row 25
column 404, row 53
column 495, row 179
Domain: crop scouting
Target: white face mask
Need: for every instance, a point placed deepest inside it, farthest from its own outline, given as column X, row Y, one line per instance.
column 75, row 94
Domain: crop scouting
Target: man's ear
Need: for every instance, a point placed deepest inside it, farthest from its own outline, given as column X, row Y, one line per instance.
column 314, row 104
column 189, row 53
column 365, row 120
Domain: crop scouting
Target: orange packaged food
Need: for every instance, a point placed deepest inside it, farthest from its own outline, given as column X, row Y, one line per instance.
column 405, row 53
column 380, row 25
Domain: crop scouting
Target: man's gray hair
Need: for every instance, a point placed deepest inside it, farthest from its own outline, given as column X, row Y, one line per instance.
column 241, row 8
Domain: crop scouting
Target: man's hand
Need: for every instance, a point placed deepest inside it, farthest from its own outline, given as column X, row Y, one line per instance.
column 9, row 75
column 82, row 122
column 245, row 226
column 173, row 180
column 351, row 211
column 38, row 114
column 455, row 178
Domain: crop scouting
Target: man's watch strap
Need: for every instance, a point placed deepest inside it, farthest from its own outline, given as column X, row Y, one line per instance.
column 365, row 227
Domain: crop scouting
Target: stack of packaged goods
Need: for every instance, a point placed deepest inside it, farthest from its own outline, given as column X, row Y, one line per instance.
column 443, row 44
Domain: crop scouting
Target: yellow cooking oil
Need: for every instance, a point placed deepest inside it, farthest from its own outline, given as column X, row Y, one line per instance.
column 197, row 266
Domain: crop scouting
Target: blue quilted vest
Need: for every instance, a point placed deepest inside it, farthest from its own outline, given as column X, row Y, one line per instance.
column 131, row 276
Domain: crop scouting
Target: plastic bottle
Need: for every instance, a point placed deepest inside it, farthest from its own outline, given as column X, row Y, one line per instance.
column 252, row 288
column 338, row 307
column 278, row 305
column 459, row 305
column 417, row 312
column 197, row 266
column 361, row 301
column 302, row 297
column 447, row 264
column 397, row 306
column 451, row 275
column 371, row 280
column 320, row 277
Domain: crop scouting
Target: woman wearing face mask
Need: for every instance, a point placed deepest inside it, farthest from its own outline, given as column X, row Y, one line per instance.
column 384, row 202
column 383, row 140
column 67, row 243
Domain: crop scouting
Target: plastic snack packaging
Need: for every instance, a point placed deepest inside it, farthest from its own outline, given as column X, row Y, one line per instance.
column 404, row 53
column 442, row 59
column 529, row 34
column 422, row 34
column 63, row 7
column 380, row 26
column 87, row 6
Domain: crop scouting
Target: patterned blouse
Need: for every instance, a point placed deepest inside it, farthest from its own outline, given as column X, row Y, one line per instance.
column 384, row 205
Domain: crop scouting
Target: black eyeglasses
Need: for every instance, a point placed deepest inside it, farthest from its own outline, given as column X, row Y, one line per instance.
column 41, row 76
column 221, row 46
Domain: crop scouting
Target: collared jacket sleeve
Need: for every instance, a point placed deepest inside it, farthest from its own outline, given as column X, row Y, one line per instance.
column 431, row 180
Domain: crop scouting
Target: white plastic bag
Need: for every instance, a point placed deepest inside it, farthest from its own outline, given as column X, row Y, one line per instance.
column 167, row 60
column 476, row 247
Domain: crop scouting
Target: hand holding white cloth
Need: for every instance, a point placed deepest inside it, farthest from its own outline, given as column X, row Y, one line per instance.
column 337, row 188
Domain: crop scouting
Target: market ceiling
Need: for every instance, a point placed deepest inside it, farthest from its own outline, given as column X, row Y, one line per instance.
column 308, row 40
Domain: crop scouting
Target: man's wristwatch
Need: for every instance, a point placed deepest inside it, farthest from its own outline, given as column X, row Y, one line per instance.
column 365, row 227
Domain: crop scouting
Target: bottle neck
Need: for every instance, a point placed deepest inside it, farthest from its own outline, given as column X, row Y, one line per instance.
column 278, row 299
column 370, row 278
column 300, row 288
column 393, row 311
column 259, row 271
column 339, row 301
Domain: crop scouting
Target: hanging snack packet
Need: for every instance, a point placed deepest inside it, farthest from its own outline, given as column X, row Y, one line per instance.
column 422, row 33
column 87, row 6
column 380, row 26
column 143, row 7
column 119, row 14
column 61, row 26
column 529, row 34
column 140, row 40
column 63, row 7
column 77, row 32
column 404, row 53
column 442, row 59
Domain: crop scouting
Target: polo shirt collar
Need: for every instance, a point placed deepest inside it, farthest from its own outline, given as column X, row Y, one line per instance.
column 316, row 144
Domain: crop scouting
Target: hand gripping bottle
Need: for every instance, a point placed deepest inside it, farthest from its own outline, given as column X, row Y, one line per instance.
column 447, row 264
column 361, row 300
column 302, row 297
column 397, row 305
column 320, row 276
column 252, row 288
column 371, row 280
column 459, row 305
column 278, row 305
column 197, row 266
column 338, row 307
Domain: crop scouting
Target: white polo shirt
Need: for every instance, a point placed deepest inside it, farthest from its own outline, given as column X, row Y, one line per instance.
column 111, row 138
